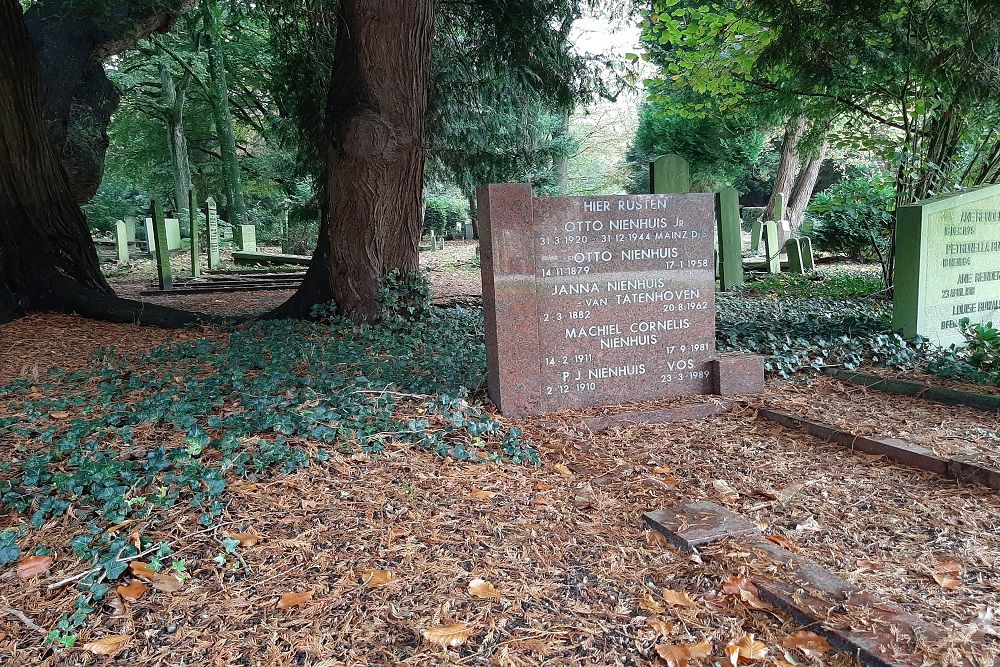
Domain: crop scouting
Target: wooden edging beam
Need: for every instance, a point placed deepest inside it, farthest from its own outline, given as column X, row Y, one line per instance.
column 930, row 392
column 805, row 590
column 894, row 449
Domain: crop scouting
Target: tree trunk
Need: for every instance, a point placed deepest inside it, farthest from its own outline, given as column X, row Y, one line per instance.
column 173, row 96
column 235, row 199
column 70, row 42
column 804, row 186
column 47, row 258
column 373, row 194
column 788, row 167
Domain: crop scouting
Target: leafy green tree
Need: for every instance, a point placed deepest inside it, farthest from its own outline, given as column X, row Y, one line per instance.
column 720, row 150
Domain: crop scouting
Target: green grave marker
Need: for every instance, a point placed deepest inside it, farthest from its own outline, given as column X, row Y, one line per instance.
column 212, row 225
column 730, row 235
column 160, row 246
column 794, row 251
column 756, row 234
column 947, row 264
column 771, row 248
column 779, row 207
column 248, row 238
column 121, row 241
column 195, row 233
column 808, row 261
column 669, row 174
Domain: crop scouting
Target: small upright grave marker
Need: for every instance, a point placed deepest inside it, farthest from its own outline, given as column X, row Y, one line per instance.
column 794, row 251
column 669, row 174
column 212, row 224
column 121, row 241
column 160, row 244
column 598, row 300
column 772, row 250
column 730, row 239
column 195, row 234
column 947, row 264
column 248, row 238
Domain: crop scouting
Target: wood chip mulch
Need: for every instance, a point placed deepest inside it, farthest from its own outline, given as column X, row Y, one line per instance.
column 950, row 431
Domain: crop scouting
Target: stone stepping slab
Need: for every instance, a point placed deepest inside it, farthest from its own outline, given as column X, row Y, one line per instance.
column 930, row 392
column 886, row 636
column 894, row 449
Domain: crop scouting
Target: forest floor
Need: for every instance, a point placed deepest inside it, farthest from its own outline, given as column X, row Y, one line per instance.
column 378, row 559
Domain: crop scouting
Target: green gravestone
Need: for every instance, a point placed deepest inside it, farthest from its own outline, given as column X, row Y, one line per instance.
column 131, row 222
column 668, row 175
column 794, row 251
column 779, row 207
column 212, row 225
column 730, row 235
column 947, row 264
column 808, row 261
column 173, row 233
column 248, row 238
column 121, row 241
column 195, row 233
column 771, row 248
column 161, row 248
column 756, row 233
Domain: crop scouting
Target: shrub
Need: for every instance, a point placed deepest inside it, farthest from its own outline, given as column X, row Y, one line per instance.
column 445, row 216
column 854, row 216
column 977, row 360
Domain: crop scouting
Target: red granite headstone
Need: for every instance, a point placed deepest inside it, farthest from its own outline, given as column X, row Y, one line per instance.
column 597, row 300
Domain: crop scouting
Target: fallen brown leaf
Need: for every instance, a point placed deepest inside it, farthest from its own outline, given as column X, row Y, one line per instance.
column 648, row 603
column 246, row 539
column 377, row 578
column 677, row 598
column 167, row 583
column 33, row 566
column 480, row 588
column 562, row 470
column 293, row 599
column 448, row 636
column 947, row 574
column 141, row 569
column 482, row 495
column 737, row 585
column 133, row 591
column 808, row 643
column 107, row 646
column 660, row 626
column 59, row 414
column 747, row 648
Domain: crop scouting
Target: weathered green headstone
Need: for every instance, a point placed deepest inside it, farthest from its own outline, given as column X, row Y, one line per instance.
column 727, row 207
column 779, row 207
column 794, row 251
column 195, row 234
column 173, row 233
column 161, row 248
column 212, row 225
column 248, row 236
column 131, row 222
column 808, row 261
column 669, row 174
column 121, row 241
column 947, row 264
column 771, row 248
column 756, row 234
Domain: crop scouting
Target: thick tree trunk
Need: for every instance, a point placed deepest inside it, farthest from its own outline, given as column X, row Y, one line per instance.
column 373, row 195
column 235, row 199
column 788, row 167
column 804, row 186
column 173, row 97
column 47, row 258
column 70, row 43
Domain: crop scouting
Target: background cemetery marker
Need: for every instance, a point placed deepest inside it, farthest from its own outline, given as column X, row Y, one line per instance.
column 772, row 250
column 947, row 264
column 195, row 233
column 756, row 234
column 247, row 238
column 669, row 174
column 160, row 245
column 121, row 241
column 794, row 251
column 212, row 226
column 598, row 300
column 730, row 239
column 808, row 261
